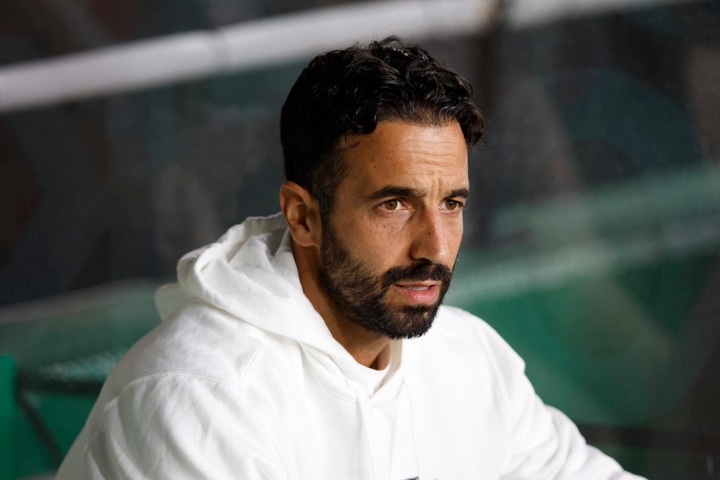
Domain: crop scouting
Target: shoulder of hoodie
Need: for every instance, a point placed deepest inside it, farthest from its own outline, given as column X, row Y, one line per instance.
column 197, row 362
column 199, row 342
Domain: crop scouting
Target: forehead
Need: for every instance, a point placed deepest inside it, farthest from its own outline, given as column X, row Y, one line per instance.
column 407, row 154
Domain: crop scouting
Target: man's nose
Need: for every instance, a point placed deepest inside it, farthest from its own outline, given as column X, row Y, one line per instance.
column 431, row 238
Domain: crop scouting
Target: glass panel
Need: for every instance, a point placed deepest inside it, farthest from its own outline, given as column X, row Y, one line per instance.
column 592, row 232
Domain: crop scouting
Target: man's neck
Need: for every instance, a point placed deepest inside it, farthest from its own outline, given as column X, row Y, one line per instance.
column 368, row 348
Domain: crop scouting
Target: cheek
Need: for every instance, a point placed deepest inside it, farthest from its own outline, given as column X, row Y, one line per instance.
column 460, row 230
column 373, row 234
column 379, row 248
column 455, row 235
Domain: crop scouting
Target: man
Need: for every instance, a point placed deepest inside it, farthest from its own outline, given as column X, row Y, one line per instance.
column 312, row 344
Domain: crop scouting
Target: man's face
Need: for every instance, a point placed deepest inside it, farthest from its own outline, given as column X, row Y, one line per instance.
column 392, row 238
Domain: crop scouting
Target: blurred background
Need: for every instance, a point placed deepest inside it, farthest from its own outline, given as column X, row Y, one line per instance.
column 132, row 131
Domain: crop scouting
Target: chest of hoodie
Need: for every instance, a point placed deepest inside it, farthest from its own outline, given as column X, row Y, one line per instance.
column 325, row 423
column 428, row 421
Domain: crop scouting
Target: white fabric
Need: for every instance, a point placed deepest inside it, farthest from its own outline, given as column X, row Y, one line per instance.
column 243, row 380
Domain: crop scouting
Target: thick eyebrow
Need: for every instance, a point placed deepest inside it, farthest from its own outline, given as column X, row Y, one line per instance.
column 407, row 192
column 394, row 191
column 460, row 192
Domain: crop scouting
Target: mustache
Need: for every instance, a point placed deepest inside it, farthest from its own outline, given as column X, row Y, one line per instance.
column 418, row 272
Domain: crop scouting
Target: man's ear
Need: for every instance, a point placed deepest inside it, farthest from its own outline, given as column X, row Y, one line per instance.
column 302, row 213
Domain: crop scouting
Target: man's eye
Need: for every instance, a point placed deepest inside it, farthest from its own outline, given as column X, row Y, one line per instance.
column 391, row 204
column 453, row 204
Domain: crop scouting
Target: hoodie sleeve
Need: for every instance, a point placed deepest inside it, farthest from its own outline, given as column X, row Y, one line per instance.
column 544, row 443
column 177, row 426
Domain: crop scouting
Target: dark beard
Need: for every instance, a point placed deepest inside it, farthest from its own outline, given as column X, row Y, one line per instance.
column 361, row 296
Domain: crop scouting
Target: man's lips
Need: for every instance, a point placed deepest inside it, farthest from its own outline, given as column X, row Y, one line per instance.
column 425, row 293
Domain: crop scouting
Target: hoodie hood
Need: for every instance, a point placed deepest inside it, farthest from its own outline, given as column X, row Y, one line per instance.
column 250, row 273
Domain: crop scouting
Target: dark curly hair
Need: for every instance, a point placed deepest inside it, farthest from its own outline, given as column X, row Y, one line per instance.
column 349, row 91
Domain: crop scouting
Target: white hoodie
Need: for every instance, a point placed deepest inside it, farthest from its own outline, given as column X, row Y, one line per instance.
column 243, row 380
